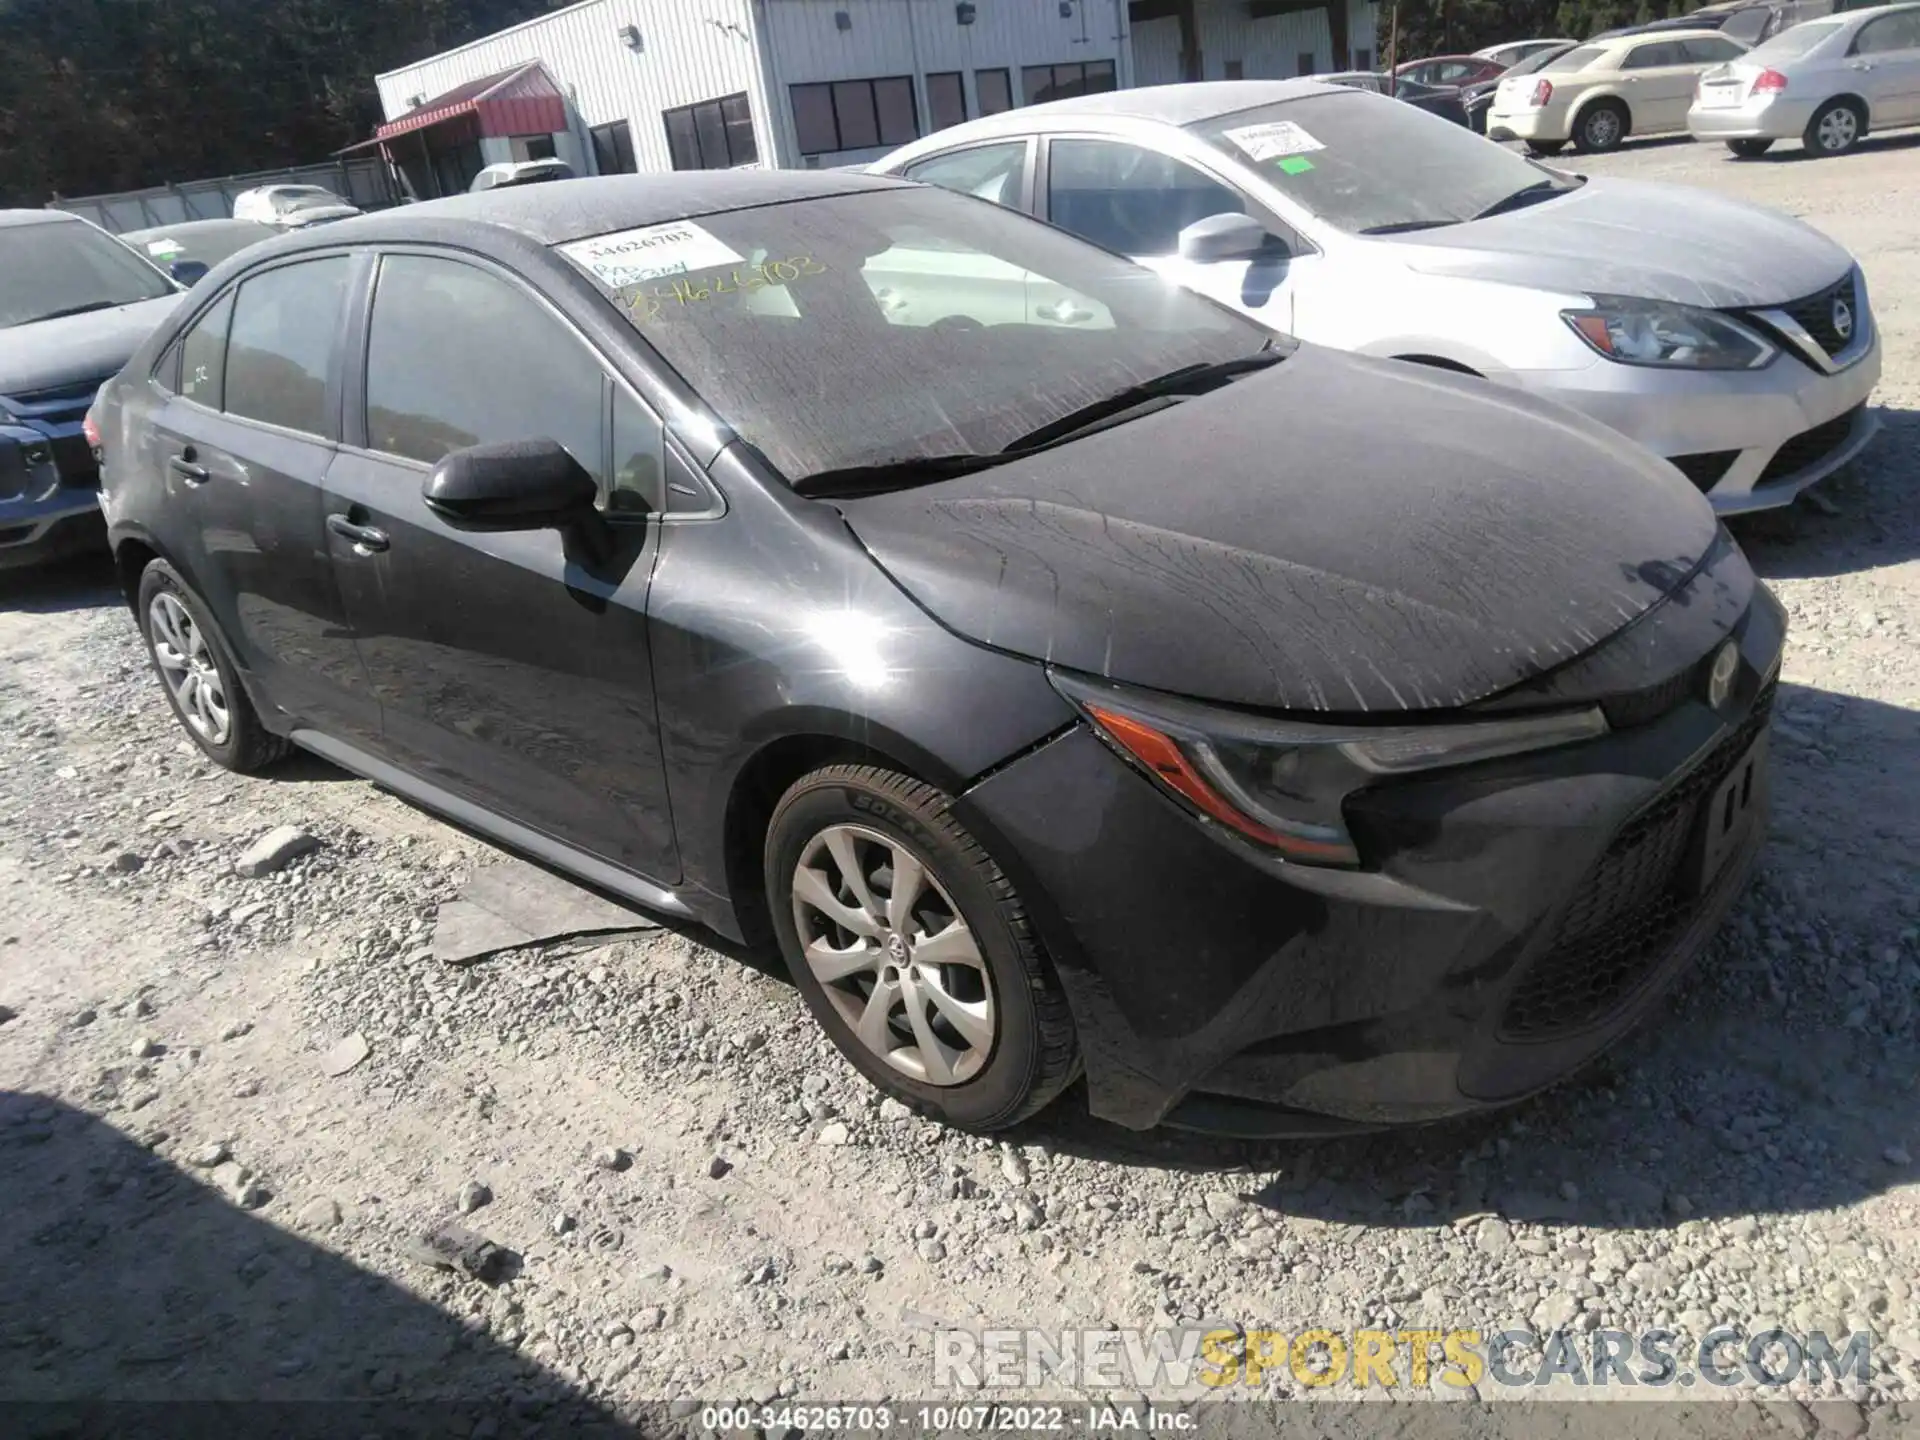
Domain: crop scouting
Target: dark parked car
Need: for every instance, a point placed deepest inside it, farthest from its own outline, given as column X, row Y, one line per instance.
column 193, row 247
column 1449, row 71
column 74, row 302
column 1478, row 99
column 1441, row 100
column 1063, row 670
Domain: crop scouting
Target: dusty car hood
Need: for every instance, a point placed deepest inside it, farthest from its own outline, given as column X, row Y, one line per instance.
column 1632, row 237
column 1336, row 534
column 93, row 346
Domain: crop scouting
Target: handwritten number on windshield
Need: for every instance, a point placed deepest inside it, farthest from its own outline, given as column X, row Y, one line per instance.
column 650, row 303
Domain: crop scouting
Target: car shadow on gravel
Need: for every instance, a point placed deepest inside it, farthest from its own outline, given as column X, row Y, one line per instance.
column 83, row 583
column 138, row 1298
column 1876, row 522
column 1782, row 1077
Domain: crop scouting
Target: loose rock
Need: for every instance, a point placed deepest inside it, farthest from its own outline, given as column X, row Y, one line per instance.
column 274, row 850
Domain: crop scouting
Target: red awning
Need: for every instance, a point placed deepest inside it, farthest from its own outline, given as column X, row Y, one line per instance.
column 521, row 101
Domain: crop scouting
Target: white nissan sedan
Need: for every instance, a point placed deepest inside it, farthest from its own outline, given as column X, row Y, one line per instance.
column 1735, row 341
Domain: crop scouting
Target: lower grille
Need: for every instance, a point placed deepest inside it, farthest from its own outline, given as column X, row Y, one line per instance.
column 1809, row 447
column 1631, row 909
column 1704, row 469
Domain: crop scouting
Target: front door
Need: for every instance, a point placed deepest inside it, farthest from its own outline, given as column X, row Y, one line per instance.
column 245, row 441
column 1135, row 200
column 512, row 667
column 1886, row 63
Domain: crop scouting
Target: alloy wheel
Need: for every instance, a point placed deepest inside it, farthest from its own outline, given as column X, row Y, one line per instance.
column 894, row 955
column 1838, row 128
column 188, row 669
column 1602, row 128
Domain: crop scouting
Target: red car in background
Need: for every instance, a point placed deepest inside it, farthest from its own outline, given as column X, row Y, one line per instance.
column 1449, row 70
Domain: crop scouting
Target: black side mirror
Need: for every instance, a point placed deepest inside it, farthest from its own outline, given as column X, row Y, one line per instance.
column 1227, row 236
column 189, row 272
column 514, row 485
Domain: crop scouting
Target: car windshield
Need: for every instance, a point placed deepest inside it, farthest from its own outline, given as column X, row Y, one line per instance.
column 1369, row 165
column 1797, row 41
column 1577, row 58
column 304, row 198
column 209, row 247
column 899, row 324
column 66, row 268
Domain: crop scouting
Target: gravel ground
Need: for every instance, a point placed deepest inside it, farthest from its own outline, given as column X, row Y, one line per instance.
column 231, row 1106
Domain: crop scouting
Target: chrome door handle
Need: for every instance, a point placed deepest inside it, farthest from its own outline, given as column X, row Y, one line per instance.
column 183, row 466
column 365, row 538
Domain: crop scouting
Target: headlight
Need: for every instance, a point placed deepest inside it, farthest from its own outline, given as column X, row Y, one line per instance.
column 1281, row 784
column 1654, row 332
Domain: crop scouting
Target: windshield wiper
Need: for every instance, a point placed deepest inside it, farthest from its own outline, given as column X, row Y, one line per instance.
column 74, row 310
column 1528, row 195
column 848, row 481
column 1401, row 227
column 1188, row 380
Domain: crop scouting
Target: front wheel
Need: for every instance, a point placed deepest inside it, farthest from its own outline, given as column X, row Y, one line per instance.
column 913, row 950
column 1749, row 149
column 1835, row 129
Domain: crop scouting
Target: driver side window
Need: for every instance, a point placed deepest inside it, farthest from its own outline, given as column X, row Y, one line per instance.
column 1128, row 198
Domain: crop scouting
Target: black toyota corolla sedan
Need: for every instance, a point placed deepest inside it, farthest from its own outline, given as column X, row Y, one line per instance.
column 1066, row 674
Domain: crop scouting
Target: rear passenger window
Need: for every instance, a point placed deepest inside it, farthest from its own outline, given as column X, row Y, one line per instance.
column 203, row 355
column 281, row 344
column 459, row 357
column 1651, row 57
column 992, row 172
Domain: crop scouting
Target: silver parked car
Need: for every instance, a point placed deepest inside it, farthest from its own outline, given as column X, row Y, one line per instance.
column 1824, row 83
column 1733, row 340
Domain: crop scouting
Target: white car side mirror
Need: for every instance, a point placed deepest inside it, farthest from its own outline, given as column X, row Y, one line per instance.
column 1227, row 236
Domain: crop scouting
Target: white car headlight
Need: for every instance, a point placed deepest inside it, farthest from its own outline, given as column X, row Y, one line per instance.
column 1678, row 337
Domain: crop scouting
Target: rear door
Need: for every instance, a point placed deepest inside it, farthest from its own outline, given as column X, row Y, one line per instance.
column 1657, row 83
column 513, row 668
column 245, row 439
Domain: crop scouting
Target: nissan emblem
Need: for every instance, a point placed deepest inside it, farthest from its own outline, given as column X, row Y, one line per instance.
column 1842, row 318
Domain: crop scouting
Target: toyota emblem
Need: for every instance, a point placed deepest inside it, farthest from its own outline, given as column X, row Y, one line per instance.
column 1842, row 318
column 1720, row 679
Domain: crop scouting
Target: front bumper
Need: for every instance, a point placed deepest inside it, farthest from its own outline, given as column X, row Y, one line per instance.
column 1777, row 119
column 1521, row 915
column 1748, row 440
column 45, row 513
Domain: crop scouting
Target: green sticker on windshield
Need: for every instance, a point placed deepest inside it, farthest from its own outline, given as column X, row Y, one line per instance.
column 1295, row 165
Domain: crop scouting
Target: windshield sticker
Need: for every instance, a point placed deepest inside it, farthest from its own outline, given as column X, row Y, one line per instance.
column 1273, row 139
column 164, row 247
column 1295, row 164
column 647, row 302
column 632, row 257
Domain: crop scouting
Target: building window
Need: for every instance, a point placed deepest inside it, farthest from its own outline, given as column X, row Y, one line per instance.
column 1303, row 63
column 994, row 88
column 854, row 115
column 613, row 149
column 1236, row 70
column 946, row 99
column 713, row 135
column 1363, row 59
column 1040, row 83
column 531, row 147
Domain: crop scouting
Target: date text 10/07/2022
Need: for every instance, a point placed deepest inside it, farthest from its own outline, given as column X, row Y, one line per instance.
column 981, row 1418
column 648, row 301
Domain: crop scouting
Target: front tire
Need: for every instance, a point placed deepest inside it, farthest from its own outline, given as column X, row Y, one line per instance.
column 913, row 950
column 1600, row 127
column 1835, row 129
column 197, row 672
column 1749, row 149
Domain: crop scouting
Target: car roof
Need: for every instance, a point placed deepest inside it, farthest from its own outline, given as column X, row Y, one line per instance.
column 1174, row 104
column 9, row 218
column 566, row 210
column 198, row 227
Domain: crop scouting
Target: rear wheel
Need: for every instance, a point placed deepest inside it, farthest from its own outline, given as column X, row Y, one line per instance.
column 912, row 949
column 198, row 674
column 1835, row 129
column 1545, row 147
column 1601, row 127
column 1749, row 149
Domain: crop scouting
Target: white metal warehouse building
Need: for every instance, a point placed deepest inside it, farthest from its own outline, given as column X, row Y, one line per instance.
column 619, row 85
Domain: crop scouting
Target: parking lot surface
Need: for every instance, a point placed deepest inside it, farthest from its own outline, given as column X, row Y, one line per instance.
column 702, row 1200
